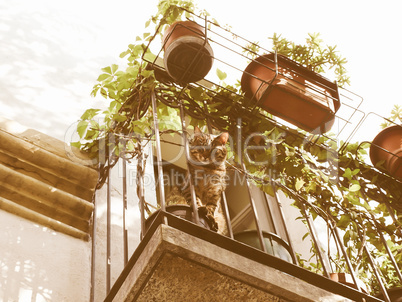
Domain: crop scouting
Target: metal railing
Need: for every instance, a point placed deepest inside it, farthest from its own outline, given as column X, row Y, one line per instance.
column 278, row 226
column 307, row 211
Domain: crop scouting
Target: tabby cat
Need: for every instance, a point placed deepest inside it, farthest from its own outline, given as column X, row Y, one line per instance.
column 207, row 170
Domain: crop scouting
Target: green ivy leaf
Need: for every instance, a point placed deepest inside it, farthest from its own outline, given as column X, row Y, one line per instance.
column 348, row 173
column 221, row 75
column 81, row 128
column 75, row 144
column 269, row 189
column 124, row 53
column 299, row 184
column 149, row 56
column 89, row 114
column 196, row 93
column 119, row 117
column 354, row 188
column 103, row 77
column 114, row 68
column 311, row 187
column 343, row 221
column 107, row 69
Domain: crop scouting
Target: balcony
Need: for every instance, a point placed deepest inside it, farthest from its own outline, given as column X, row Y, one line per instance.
column 298, row 244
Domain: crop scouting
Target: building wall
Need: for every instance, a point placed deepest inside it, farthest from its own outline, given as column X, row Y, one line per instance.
column 43, row 255
column 38, row 264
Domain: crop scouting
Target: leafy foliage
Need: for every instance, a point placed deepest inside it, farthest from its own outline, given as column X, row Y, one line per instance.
column 395, row 117
column 313, row 55
column 338, row 187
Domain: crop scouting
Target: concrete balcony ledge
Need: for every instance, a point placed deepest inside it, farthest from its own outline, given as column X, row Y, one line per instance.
column 176, row 265
column 41, row 182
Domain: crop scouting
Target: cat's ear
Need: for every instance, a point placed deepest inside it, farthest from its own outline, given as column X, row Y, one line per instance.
column 197, row 130
column 223, row 138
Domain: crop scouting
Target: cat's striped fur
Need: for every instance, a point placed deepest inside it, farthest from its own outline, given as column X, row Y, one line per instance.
column 208, row 173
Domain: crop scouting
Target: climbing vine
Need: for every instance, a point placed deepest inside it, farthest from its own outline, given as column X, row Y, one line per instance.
column 337, row 186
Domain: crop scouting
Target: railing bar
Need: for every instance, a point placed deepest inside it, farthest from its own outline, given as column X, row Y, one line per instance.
column 313, row 234
column 93, row 258
column 140, row 187
column 158, row 154
column 254, row 208
column 391, row 256
column 394, row 219
column 125, row 233
column 189, row 168
column 108, row 230
column 226, row 212
column 282, row 216
column 347, row 260
column 223, row 195
column 252, row 204
column 270, row 213
column 378, row 277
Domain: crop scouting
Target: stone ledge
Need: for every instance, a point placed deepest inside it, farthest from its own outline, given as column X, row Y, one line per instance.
column 179, row 265
column 44, row 180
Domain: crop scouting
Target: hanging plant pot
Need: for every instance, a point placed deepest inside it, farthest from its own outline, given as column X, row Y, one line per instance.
column 291, row 92
column 180, row 210
column 395, row 294
column 188, row 56
column 387, row 147
column 274, row 245
column 347, row 279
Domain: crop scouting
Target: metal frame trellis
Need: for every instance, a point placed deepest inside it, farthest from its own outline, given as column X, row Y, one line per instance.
column 189, row 107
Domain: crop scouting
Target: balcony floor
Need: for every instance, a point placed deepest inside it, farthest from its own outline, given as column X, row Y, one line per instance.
column 174, row 265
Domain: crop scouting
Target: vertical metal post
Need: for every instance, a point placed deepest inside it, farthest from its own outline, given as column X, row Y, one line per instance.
column 140, row 187
column 391, row 256
column 254, row 209
column 227, row 217
column 282, row 216
column 108, row 229
column 125, row 233
column 250, row 195
column 196, row 218
column 271, row 218
column 102, row 160
column 93, row 258
column 377, row 275
column 158, row 154
column 347, row 260
column 314, row 236
column 239, row 140
column 224, row 202
column 394, row 219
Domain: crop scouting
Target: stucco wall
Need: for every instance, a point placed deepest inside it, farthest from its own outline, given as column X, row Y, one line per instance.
column 40, row 259
column 38, row 264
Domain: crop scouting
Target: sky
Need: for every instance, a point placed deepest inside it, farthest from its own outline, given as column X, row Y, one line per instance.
column 51, row 52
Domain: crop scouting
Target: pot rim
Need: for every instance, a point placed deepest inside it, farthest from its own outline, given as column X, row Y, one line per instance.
column 191, row 26
column 294, row 66
column 376, row 145
column 271, row 236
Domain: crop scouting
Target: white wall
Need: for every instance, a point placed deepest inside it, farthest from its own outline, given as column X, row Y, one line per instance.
column 38, row 264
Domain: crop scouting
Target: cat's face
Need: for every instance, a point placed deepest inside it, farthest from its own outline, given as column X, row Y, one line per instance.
column 206, row 149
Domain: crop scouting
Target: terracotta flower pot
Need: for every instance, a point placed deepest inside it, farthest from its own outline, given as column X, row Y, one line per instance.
column 295, row 94
column 274, row 245
column 347, row 279
column 188, row 56
column 180, row 210
column 387, row 147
